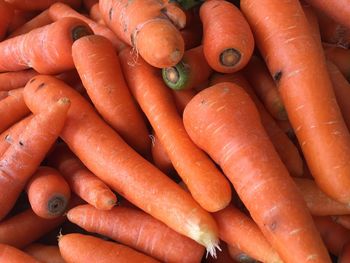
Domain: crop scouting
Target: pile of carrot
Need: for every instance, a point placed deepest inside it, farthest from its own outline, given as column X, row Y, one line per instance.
column 174, row 131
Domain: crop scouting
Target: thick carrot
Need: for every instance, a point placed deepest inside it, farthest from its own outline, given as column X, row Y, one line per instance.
column 232, row 134
column 191, row 71
column 44, row 253
column 103, row 151
column 208, row 186
column 81, row 181
column 23, row 157
column 240, row 256
column 238, row 230
column 16, row 79
column 344, row 256
column 30, row 5
column 100, row 71
column 83, row 248
column 228, row 42
column 265, row 88
column 285, row 40
column 48, row 193
column 59, row 10
column 14, row 255
column 12, row 109
column 283, row 145
column 138, row 230
column 6, row 14
column 46, row 49
column 145, row 25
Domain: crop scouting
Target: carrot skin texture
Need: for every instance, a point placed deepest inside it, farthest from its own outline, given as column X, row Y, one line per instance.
column 44, row 253
column 16, row 79
column 340, row 57
column 14, row 255
column 19, row 18
column 121, row 167
column 236, row 140
column 182, row 97
column 51, row 53
column 306, row 91
column 344, row 256
column 30, row 5
column 6, row 14
column 343, row 220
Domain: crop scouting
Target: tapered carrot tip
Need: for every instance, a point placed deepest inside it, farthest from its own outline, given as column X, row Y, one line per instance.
column 176, row 77
column 57, row 205
column 81, row 31
column 230, row 57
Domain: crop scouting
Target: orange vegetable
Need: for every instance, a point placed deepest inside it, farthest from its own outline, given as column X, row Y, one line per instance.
column 44, row 253
column 6, row 14
column 16, row 79
column 14, row 255
column 30, row 5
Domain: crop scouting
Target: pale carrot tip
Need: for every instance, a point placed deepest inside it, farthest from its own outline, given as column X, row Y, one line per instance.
column 230, row 57
column 64, row 101
column 59, row 236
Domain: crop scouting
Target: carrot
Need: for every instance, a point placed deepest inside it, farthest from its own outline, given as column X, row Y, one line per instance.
column 286, row 149
column 223, row 256
column 14, row 255
column 228, row 42
column 88, row 4
column 233, row 136
column 145, row 26
column 259, row 77
column 30, row 5
column 95, row 14
column 120, row 167
column 15, row 80
column 23, row 157
column 174, row 13
column 83, row 248
column 12, row 109
column 81, row 181
column 95, row 56
column 138, row 230
column 182, row 97
column 48, row 192
column 44, row 253
column 207, row 184
column 340, row 57
column 344, row 256
column 72, row 79
column 3, row 94
column 312, row 20
column 191, row 71
column 306, row 90
column 238, row 230
column 240, row 256
column 59, row 10
column 287, row 129
column 19, row 18
column 46, row 49
column 6, row 14
column 343, row 220
column 193, row 32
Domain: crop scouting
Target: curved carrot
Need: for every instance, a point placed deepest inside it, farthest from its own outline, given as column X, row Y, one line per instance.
column 228, row 42
column 14, row 255
column 139, row 231
column 48, row 192
column 232, row 134
column 44, row 253
column 238, row 230
column 81, row 181
column 259, row 77
column 30, row 5
column 121, row 167
column 306, row 90
column 23, row 157
column 83, row 248
column 16, row 79
column 100, row 71
column 151, row 32
column 208, row 186
column 46, row 49
column 191, row 71
column 6, row 14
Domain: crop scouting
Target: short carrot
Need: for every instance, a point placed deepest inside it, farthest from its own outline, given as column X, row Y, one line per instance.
column 30, row 5
column 182, row 97
column 83, row 248
column 16, row 79
column 6, row 14
column 208, row 186
column 48, row 192
column 44, row 253
column 12, row 109
column 232, row 134
column 191, row 71
column 104, row 153
column 46, row 49
column 138, row 230
column 95, row 56
column 81, row 181
column 228, row 42
column 29, row 150
column 151, row 32
column 14, row 255
column 285, row 40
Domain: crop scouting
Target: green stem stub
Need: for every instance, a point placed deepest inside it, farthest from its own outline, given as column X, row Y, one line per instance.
column 176, row 77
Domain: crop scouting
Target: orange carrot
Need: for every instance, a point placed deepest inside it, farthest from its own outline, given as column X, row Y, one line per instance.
column 343, row 220
column 30, row 5
column 3, row 94
column 193, row 32
column 232, row 134
column 145, row 25
column 285, row 40
column 238, row 230
column 6, row 14
column 44, row 253
column 88, row 4
column 312, row 20
column 19, row 18
column 12, row 109
column 48, row 193
column 182, row 97
column 287, row 129
column 82, row 182
column 139, row 231
column 208, row 186
column 340, row 57
column 240, row 256
column 103, row 151
column 72, row 79
column 59, row 10
column 259, row 77
column 23, row 157
column 83, row 248
column 95, row 56
column 14, row 255
column 344, row 256
column 95, row 14
column 228, row 42
column 16, row 79
column 46, row 49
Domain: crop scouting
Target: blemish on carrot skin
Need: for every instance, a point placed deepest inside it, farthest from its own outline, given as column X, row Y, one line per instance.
column 8, row 138
column 40, row 86
column 273, row 225
column 277, row 76
column 110, row 13
column 312, row 257
column 21, row 143
column 32, row 80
